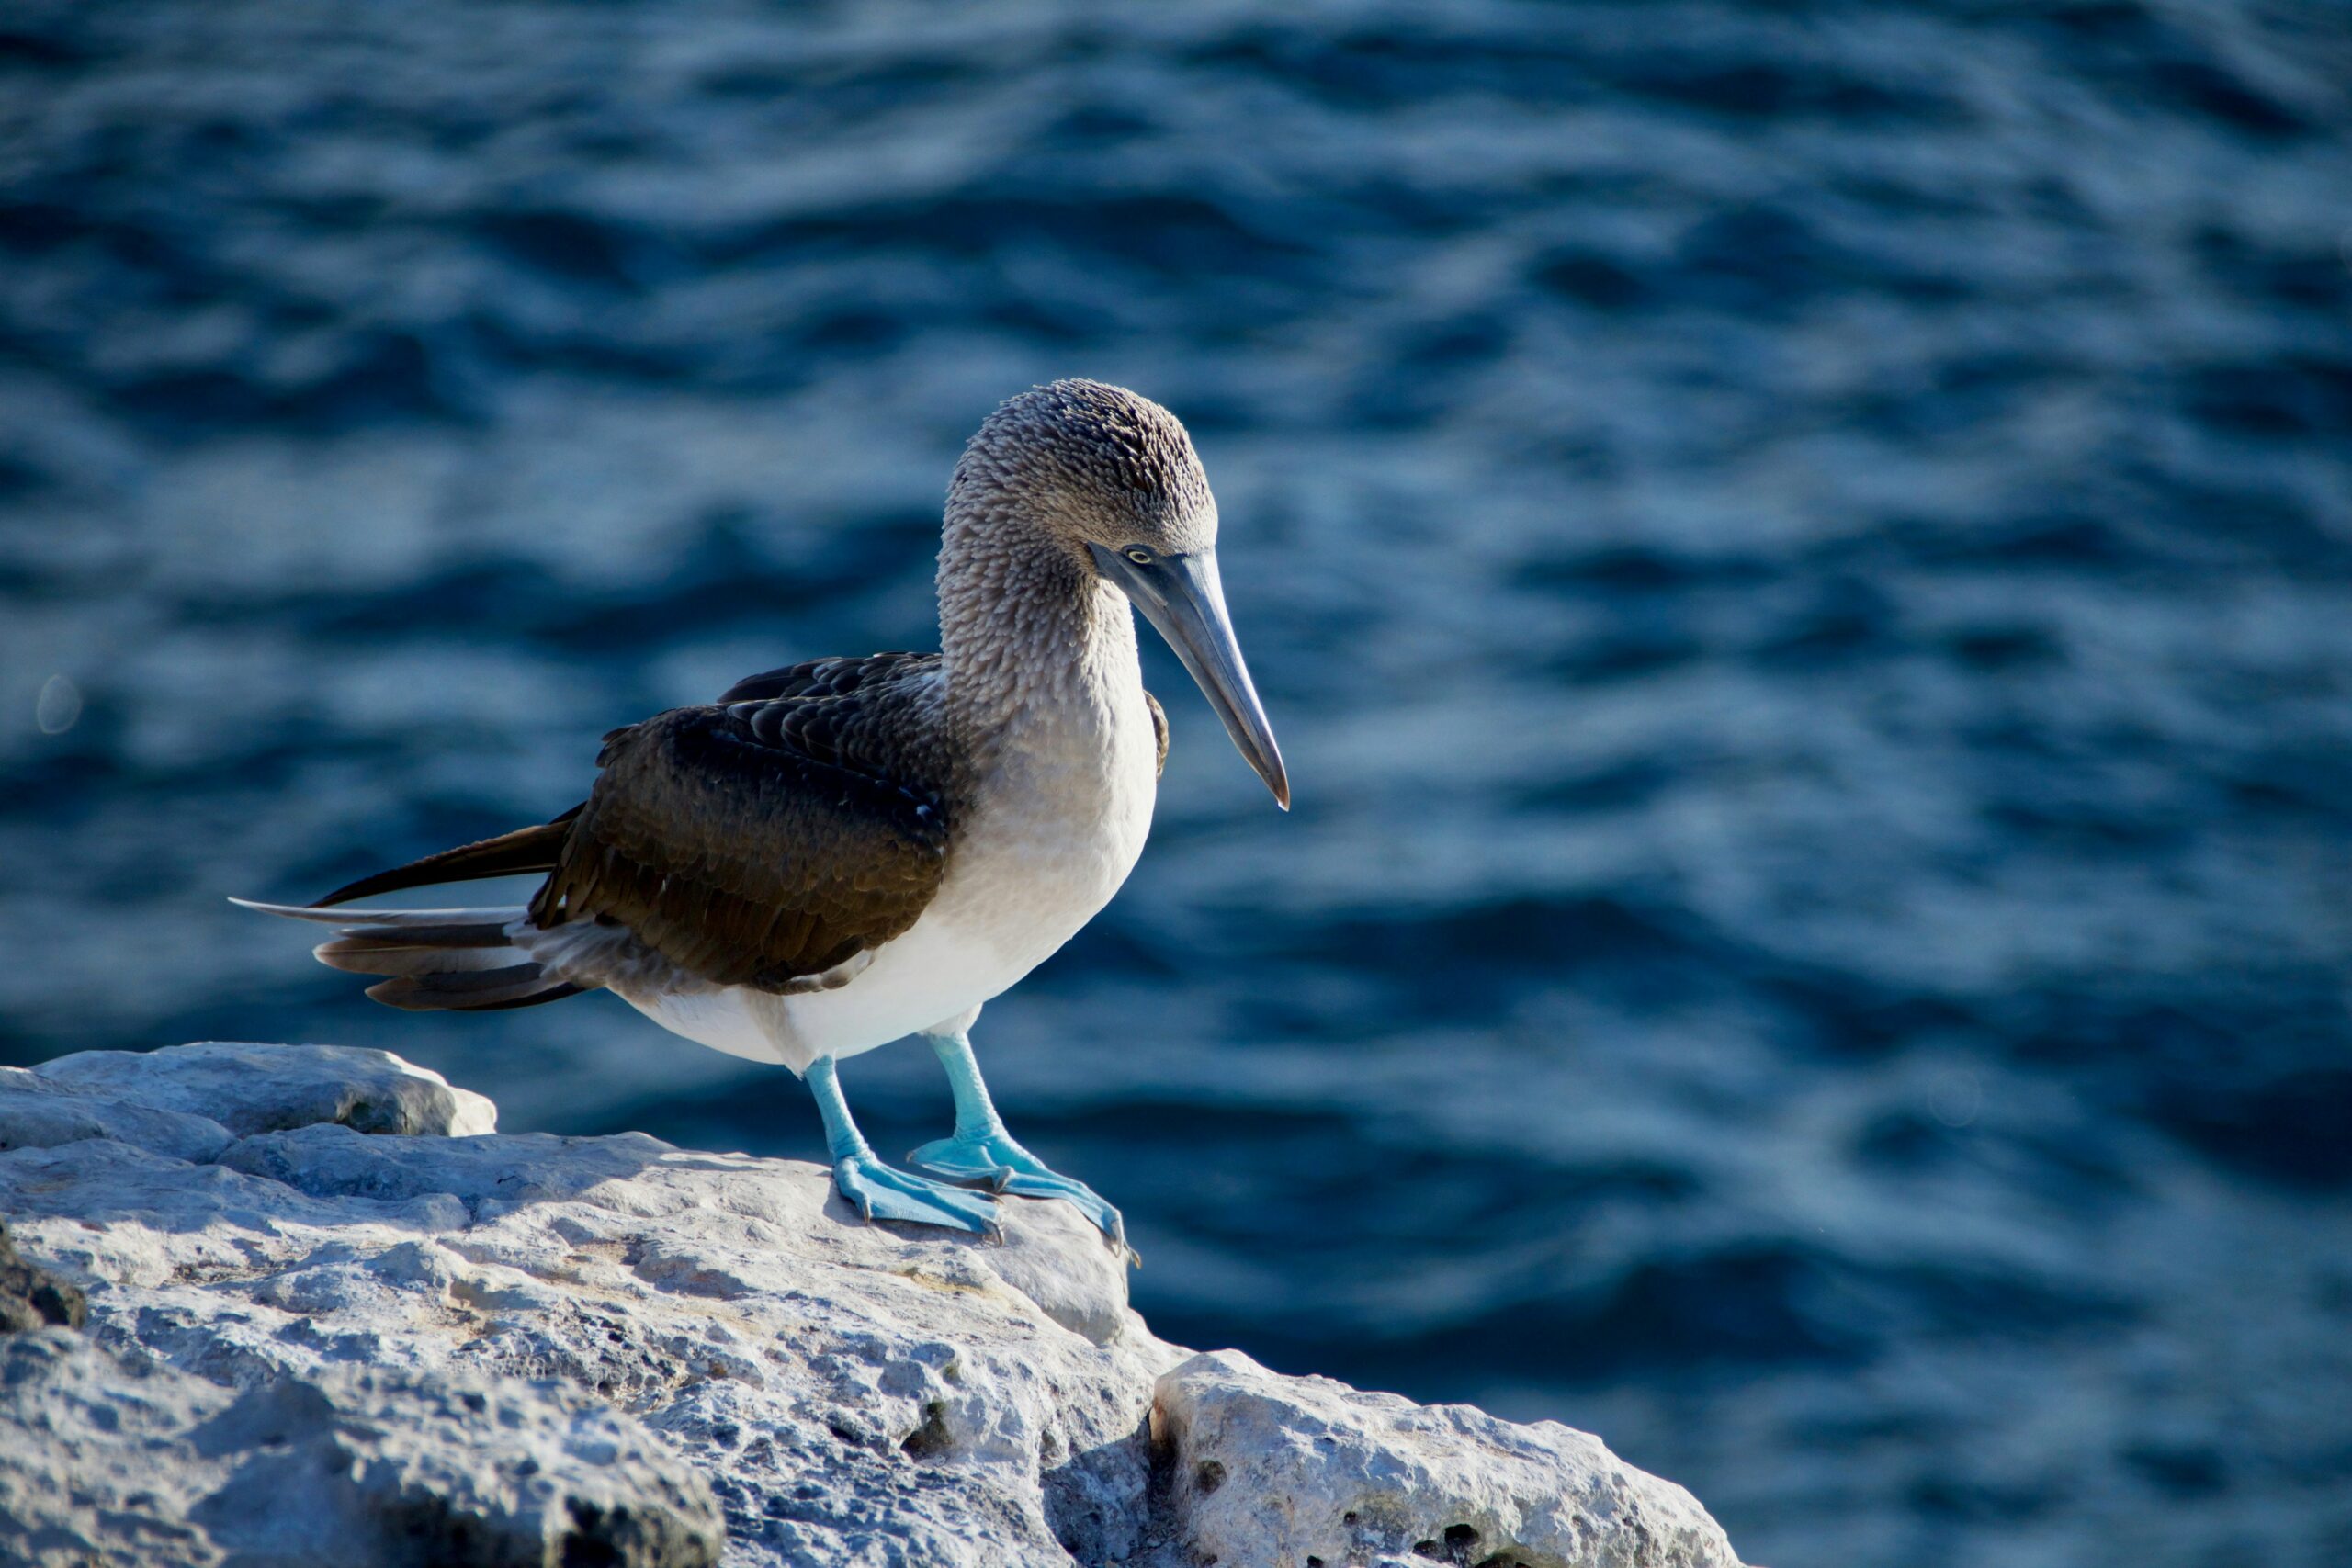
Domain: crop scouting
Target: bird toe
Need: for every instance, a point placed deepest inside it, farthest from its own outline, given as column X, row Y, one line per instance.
column 878, row 1192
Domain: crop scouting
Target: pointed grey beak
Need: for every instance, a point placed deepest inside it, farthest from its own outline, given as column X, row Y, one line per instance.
column 1182, row 597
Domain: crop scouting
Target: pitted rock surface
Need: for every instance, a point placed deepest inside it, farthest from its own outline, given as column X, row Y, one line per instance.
column 350, row 1465
column 850, row 1394
column 1272, row 1471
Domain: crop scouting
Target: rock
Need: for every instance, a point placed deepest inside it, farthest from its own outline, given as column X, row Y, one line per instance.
column 1270, row 1472
column 32, row 1297
column 38, row 1113
column 853, row 1394
column 266, row 1088
column 352, row 1465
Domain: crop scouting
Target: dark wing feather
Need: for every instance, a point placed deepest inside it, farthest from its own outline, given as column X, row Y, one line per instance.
column 773, row 836
column 1158, row 735
column 827, row 677
column 509, row 854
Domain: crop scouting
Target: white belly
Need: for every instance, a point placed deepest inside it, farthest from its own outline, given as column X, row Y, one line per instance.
column 1038, row 860
column 932, row 975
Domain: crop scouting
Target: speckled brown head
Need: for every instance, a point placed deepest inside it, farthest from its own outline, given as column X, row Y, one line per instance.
column 1092, row 465
column 1108, row 481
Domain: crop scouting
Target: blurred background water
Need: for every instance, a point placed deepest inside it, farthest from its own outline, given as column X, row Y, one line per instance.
column 1801, row 554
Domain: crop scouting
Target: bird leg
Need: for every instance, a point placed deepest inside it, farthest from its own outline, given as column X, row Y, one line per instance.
column 982, row 1152
column 876, row 1191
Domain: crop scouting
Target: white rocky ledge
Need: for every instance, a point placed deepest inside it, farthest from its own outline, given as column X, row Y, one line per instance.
column 309, row 1342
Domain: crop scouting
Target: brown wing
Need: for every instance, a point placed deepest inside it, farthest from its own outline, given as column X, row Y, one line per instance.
column 759, row 840
column 831, row 677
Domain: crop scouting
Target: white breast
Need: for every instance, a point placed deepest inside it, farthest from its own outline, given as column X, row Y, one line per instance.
column 1059, row 824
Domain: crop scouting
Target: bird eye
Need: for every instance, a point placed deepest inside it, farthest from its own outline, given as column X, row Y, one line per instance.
column 1139, row 555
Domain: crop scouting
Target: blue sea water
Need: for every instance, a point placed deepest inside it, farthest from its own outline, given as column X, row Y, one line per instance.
column 1800, row 555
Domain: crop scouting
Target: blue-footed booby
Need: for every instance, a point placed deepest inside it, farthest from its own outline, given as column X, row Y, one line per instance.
column 838, row 854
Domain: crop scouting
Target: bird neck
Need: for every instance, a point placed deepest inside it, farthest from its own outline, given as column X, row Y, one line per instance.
column 1037, row 649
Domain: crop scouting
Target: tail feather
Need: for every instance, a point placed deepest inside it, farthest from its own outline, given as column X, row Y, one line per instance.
column 459, row 960
column 523, row 851
column 385, row 939
column 355, row 920
column 554, row 994
column 364, row 955
column 518, row 985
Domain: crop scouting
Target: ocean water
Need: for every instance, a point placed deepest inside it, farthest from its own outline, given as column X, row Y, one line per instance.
column 1800, row 555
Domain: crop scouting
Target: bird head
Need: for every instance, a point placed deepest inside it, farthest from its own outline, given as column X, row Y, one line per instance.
column 1110, row 478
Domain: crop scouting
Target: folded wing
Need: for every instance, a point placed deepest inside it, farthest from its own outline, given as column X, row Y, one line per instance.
column 772, row 837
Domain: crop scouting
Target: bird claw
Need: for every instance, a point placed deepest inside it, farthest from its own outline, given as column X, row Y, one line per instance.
column 878, row 1192
column 1003, row 1165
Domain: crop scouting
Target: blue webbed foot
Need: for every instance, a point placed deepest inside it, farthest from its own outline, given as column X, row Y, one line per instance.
column 877, row 1191
column 993, row 1160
